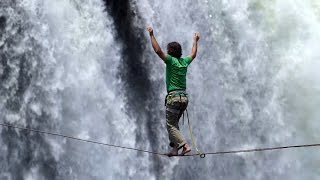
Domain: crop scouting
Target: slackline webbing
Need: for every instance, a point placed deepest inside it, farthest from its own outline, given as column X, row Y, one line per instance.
column 158, row 153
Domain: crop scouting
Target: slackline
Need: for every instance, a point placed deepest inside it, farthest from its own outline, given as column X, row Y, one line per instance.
column 158, row 153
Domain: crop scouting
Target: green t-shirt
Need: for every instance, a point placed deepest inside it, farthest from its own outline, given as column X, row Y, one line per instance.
column 176, row 72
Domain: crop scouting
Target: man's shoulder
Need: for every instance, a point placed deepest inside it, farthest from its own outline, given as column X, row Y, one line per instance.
column 187, row 59
column 168, row 59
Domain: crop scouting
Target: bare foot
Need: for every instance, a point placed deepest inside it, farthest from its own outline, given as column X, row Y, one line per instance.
column 186, row 149
column 173, row 152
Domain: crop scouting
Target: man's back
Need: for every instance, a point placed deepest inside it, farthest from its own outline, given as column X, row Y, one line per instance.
column 176, row 72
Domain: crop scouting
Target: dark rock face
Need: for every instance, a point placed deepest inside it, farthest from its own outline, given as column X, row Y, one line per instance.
column 135, row 73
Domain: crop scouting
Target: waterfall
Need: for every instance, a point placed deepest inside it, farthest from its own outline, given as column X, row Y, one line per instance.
column 87, row 69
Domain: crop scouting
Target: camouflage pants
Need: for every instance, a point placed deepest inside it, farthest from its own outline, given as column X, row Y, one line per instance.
column 175, row 106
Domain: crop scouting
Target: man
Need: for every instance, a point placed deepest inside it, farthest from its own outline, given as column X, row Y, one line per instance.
column 177, row 98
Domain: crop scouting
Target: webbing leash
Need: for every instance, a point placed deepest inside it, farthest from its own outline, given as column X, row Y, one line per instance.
column 194, row 144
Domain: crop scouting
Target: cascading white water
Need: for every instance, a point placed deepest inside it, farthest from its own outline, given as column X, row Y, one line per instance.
column 73, row 90
column 253, row 84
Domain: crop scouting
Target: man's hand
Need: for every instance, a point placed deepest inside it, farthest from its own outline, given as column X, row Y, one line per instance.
column 196, row 37
column 150, row 30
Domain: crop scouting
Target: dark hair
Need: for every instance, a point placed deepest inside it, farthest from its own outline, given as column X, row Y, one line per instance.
column 174, row 49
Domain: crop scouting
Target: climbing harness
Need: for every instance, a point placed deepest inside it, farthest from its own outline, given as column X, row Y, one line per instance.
column 175, row 93
column 161, row 154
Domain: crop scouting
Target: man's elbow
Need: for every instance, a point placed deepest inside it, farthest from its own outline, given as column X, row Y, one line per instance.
column 159, row 52
column 193, row 56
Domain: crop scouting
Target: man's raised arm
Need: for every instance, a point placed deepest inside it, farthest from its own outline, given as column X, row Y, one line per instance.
column 155, row 44
column 196, row 38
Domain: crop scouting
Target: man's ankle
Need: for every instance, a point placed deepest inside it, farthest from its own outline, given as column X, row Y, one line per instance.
column 185, row 146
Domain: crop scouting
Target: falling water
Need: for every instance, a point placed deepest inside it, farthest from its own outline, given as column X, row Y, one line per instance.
column 87, row 69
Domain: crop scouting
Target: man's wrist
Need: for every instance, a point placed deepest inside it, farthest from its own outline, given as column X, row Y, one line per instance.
column 151, row 34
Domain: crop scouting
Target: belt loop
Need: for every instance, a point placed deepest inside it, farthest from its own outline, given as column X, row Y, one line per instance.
column 180, row 102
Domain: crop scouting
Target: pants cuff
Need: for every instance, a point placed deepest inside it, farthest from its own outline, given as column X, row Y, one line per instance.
column 178, row 145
